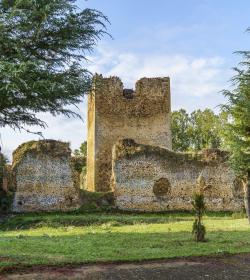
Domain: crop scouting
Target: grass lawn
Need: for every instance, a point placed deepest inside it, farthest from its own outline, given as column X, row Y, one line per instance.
column 91, row 237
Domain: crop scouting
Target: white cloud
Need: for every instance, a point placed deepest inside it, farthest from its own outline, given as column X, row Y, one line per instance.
column 190, row 76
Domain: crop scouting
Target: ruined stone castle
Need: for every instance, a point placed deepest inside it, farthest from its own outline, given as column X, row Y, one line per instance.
column 116, row 113
column 129, row 154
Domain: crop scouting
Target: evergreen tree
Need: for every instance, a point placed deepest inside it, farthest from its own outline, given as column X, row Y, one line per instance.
column 238, row 129
column 43, row 46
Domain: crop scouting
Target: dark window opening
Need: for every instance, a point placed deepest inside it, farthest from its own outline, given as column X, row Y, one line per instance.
column 128, row 93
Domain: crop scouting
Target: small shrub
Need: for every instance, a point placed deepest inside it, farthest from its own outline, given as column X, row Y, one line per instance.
column 199, row 229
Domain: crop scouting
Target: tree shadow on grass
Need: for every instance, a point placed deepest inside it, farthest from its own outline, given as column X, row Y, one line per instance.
column 55, row 220
column 117, row 246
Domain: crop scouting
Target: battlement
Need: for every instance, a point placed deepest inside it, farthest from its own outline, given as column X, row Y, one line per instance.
column 115, row 112
column 150, row 95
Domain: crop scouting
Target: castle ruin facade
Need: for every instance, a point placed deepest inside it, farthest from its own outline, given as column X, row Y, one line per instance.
column 129, row 153
column 116, row 113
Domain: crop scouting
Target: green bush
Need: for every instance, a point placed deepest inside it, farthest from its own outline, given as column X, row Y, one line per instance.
column 5, row 201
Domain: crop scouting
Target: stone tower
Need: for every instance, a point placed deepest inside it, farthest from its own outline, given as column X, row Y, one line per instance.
column 116, row 113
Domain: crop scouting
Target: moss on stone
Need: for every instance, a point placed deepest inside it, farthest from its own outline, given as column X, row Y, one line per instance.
column 96, row 200
column 128, row 148
column 42, row 147
column 214, row 155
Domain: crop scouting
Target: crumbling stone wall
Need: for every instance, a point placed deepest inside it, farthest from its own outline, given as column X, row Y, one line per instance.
column 149, row 178
column 115, row 113
column 45, row 177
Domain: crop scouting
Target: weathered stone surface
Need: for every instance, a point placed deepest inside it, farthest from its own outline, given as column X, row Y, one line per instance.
column 45, row 177
column 115, row 113
column 148, row 178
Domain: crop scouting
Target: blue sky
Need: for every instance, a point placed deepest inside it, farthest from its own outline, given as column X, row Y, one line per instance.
column 192, row 41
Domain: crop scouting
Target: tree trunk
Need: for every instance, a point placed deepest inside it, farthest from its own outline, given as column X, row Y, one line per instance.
column 247, row 195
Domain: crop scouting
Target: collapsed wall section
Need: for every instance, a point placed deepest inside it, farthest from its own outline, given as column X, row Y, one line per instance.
column 116, row 113
column 45, row 179
column 148, row 178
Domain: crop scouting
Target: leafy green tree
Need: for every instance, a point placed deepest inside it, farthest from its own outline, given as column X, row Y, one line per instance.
column 204, row 129
column 43, row 46
column 198, row 130
column 223, row 120
column 180, row 130
column 82, row 151
column 238, row 129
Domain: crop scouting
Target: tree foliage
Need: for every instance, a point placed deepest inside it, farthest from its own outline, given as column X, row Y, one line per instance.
column 238, row 129
column 82, row 151
column 180, row 130
column 197, row 130
column 43, row 46
column 238, row 108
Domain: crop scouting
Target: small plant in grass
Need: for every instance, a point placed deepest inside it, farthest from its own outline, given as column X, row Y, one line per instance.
column 199, row 229
column 240, row 215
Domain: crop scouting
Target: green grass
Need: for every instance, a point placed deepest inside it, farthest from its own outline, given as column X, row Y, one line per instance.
column 91, row 237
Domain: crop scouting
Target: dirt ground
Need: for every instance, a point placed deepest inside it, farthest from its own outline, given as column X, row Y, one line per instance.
column 224, row 267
